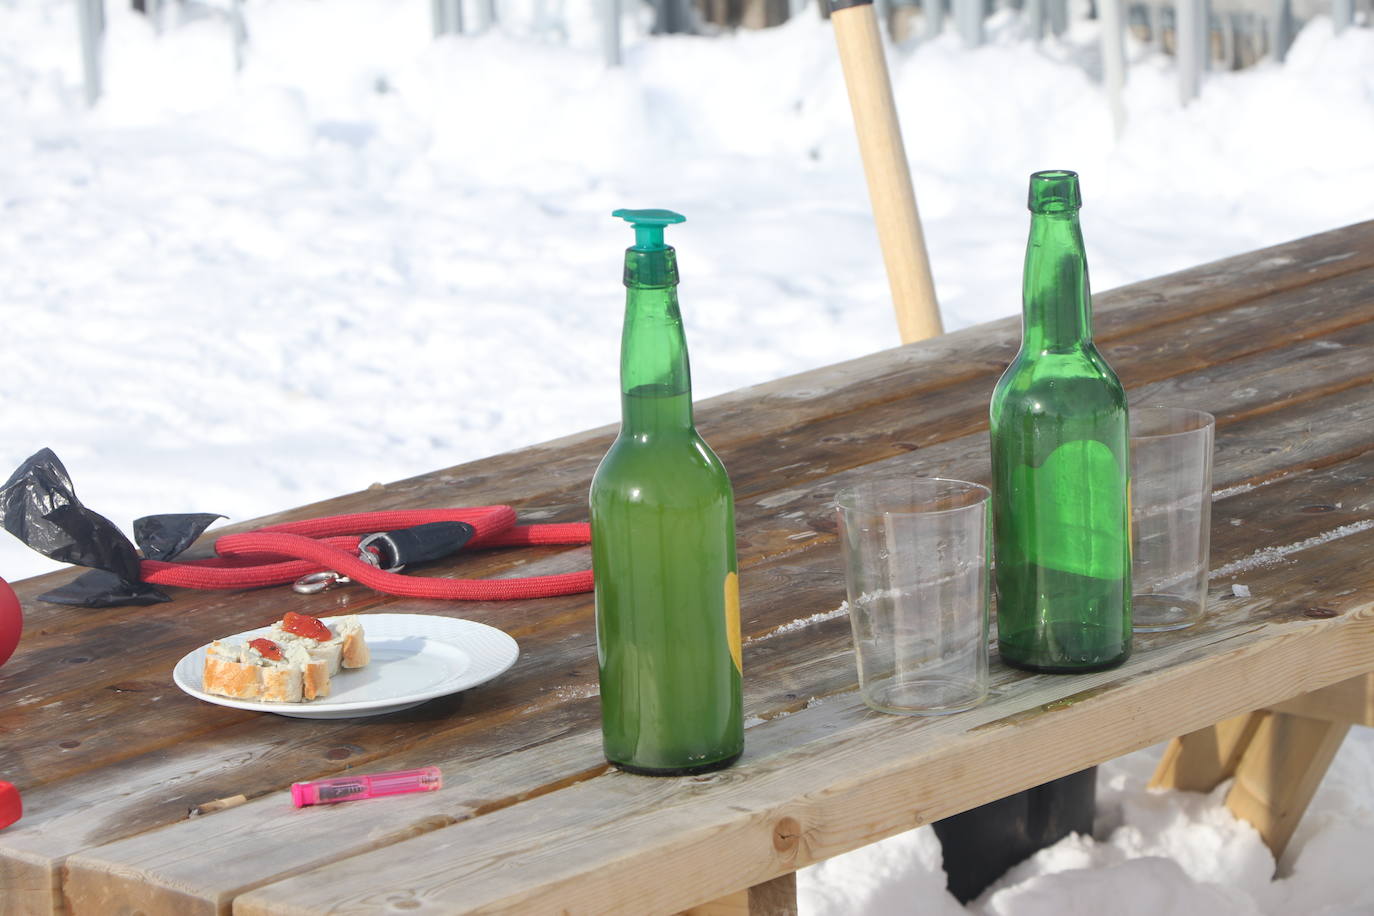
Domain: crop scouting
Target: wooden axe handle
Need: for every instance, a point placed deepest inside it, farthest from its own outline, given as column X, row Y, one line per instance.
column 885, row 166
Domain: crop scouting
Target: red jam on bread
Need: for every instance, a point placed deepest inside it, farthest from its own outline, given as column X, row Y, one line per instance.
column 305, row 625
column 267, row 649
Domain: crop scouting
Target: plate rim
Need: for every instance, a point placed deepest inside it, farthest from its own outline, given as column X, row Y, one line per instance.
column 378, row 706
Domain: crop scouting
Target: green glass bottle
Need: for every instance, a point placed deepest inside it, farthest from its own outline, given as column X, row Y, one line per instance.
column 663, row 546
column 1060, row 467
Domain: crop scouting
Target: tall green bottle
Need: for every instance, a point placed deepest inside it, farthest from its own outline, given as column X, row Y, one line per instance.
column 1061, row 472
column 663, row 546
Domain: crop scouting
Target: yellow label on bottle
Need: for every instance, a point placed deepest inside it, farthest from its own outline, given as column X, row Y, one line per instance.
column 732, row 619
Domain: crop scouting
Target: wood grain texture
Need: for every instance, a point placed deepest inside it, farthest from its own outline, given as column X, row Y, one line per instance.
column 1351, row 702
column 826, row 672
column 889, row 176
column 773, row 524
column 1202, row 760
column 1277, row 343
column 777, row 897
column 521, row 477
column 605, row 839
column 814, row 662
column 1280, row 771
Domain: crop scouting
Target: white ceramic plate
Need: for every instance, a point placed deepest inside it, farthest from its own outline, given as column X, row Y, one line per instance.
column 415, row 657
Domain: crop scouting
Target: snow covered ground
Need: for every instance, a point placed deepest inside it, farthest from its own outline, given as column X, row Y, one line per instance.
column 370, row 254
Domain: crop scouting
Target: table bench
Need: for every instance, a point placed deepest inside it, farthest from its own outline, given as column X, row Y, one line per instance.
column 114, row 762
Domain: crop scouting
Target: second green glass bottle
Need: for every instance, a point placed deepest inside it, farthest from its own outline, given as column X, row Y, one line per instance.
column 1060, row 463
column 663, row 546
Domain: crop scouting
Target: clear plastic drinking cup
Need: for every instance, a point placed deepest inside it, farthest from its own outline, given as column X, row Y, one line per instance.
column 1171, row 516
column 916, row 569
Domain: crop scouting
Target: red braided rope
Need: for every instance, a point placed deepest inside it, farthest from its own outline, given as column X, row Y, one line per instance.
column 283, row 553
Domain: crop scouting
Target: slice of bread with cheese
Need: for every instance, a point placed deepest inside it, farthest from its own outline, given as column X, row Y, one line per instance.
column 284, row 666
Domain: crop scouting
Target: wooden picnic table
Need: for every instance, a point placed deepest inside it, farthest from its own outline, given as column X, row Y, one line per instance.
column 1278, row 344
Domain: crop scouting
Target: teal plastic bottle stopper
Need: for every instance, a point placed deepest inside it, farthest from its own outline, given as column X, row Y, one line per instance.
column 649, row 226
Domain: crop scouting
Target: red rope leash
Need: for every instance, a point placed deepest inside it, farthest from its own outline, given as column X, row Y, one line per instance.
column 279, row 554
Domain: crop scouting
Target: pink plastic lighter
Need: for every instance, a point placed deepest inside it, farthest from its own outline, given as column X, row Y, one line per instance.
column 348, row 788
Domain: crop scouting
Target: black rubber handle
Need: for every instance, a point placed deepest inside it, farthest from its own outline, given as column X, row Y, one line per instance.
column 421, row 543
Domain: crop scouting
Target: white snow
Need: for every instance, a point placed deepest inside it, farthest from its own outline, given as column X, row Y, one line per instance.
column 1268, row 556
column 1152, row 852
column 370, row 255
column 800, row 623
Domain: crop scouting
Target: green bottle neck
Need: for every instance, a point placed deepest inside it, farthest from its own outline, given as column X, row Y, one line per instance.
column 655, row 379
column 1057, row 304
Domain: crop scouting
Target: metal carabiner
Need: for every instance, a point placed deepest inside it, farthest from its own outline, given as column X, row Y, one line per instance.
column 318, row 582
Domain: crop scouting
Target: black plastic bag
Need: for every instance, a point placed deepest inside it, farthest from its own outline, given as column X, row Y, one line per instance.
column 38, row 505
column 162, row 537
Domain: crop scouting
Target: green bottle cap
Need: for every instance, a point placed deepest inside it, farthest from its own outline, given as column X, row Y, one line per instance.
column 1055, row 191
column 649, row 226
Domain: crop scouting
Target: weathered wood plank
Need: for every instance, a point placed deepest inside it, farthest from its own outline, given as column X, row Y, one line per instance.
column 910, row 422
column 791, row 577
column 779, row 521
column 520, row 477
column 267, row 836
column 1297, row 433
column 771, row 898
column 96, row 715
column 1194, row 304
column 598, row 846
column 1351, row 702
column 790, row 669
column 808, row 577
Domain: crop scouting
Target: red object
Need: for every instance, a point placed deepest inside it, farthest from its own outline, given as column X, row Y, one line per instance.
column 267, row 648
column 283, row 553
column 11, row 621
column 11, row 808
column 305, row 625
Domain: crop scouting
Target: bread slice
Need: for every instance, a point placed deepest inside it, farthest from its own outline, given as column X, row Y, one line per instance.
column 349, row 631
column 282, row 683
column 346, row 647
column 228, row 676
column 303, row 673
column 314, row 672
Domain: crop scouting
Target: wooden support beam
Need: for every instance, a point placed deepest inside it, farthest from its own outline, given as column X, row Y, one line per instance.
column 1200, row 761
column 1277, row 758
column 1351, row 702
column 771, row 898
column 1280, row 771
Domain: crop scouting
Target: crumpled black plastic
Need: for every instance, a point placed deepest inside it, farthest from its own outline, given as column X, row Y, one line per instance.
column 38, row 505
column 162, row 537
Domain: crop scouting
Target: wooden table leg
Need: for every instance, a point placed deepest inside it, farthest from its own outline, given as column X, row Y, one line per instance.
column 771, row 898
column 1349, row 701
column 1280, row 772
column 1200, row 761
column 1278, row 757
